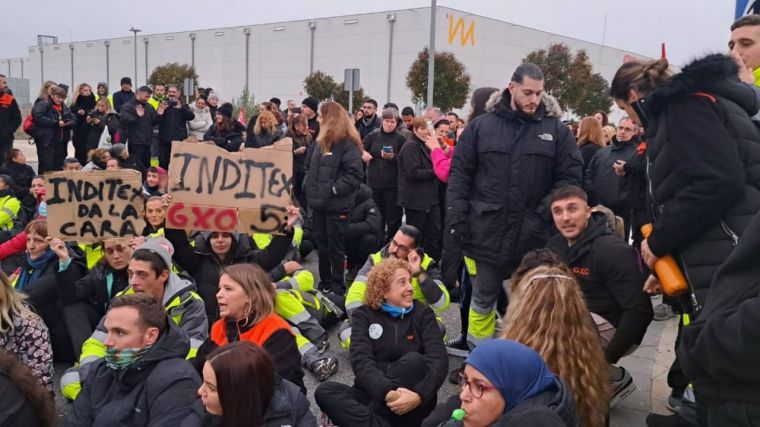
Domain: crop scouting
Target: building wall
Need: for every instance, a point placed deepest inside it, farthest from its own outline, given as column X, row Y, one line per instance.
column 279, row 53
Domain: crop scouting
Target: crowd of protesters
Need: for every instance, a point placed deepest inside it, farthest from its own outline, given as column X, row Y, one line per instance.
column 551, row 236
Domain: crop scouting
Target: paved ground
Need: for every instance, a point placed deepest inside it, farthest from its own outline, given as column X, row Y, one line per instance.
column 648, row 365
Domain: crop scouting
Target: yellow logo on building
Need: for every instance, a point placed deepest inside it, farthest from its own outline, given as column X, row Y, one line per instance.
column 465, row 36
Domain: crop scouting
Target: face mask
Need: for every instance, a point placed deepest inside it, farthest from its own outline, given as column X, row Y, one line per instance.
column 120, row 359
column 396, row 311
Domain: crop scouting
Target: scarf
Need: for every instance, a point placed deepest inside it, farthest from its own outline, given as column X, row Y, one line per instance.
column 31, row 274
column 397, row 312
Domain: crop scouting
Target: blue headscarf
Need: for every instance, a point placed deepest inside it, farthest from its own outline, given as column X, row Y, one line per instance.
column 515, row 370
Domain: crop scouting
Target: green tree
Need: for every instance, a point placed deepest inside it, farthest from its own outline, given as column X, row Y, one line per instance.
column 451, row 80
column 319, row 85
column 340, row 96
column 173, row 73
column 247, row 103
column 570, row 79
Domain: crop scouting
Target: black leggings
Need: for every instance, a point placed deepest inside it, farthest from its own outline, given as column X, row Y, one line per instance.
column 351, row 406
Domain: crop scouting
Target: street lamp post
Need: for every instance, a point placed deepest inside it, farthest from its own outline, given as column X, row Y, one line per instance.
column 431, row 55
column 135, row 30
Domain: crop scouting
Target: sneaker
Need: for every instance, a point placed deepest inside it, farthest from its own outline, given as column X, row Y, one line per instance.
column 673, row 403
column 454, row 375
column 324, row 368
column 622, row 388
column 322, row 343
column 663, row 312
column 458, row 347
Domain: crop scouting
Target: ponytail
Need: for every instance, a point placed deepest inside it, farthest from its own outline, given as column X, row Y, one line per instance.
column 642, row 76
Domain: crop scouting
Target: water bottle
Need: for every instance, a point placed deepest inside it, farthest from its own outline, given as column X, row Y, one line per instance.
column 671, row 278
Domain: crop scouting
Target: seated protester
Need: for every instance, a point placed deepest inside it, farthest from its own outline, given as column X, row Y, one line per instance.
column 21, row 173
column 266, row 131
column 505, row 383
column 98, row 159
column 24, row 335
column 607, row 269
column 71, row 164
column 397, row 355
column 547, row 313
column 427, row 286
column 152, row 185
column 113, row 165
column 155, row 217
column 149, row 271
column 30, row 206
column 225, row 132
column 216, row 250
column 9, row 207
column 246, row 309
column 37, row 279
column 120, row 153
column 23, row 401
column 144, row 378
column 86, row 299
column 241, row 388
column 364, row 234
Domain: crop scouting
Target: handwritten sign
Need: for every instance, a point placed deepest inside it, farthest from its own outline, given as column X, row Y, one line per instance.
column 216, row 190
column 94, row 206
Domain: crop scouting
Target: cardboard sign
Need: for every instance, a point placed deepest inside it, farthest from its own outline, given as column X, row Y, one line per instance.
column 90, row 207
column 215, row 190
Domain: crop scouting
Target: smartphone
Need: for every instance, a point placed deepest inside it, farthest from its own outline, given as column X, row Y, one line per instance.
column 430, row 127
column 387, row 149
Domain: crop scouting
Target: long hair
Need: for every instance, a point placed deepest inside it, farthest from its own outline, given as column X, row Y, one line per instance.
column 103, row 100
column 31, row 390
column 12, row 304
column 642, row 76
column 547, row 312
column 266, row 122
column 478, row 101
column 45, row 89
column 590, row 132
column 380, row 278
column 245, row 382
column 336, row 126
column 258, row 288
column 77, row 94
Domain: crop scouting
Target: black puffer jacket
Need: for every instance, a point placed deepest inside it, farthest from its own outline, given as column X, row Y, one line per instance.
column 135, row 129
column 383, row 173
column 47, row 131
column 22, row 178
column 365, row 218
column 377, row 339
column 601, row 183
column 417, row 183
column 552, row 408
column 504, row 169
column 10, row 116
column 96, row 129
column 205, row 267
column 230, row 141
column 704, row 166
column 333, row 178
column 608, row 272
column 172, row 125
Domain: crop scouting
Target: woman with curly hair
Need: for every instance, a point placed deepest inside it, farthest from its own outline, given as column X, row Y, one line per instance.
column 397, row 355
column 266, row 131
column 548, row 314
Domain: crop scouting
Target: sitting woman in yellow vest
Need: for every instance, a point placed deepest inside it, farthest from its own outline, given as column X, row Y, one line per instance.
column 150, row 272
column 155, row 217
column 246, row 307
column 9, row 207
column 37, row 279
column 427, row 285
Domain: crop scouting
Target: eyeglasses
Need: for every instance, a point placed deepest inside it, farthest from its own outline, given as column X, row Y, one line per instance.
column 400, row 247
column 476, row 387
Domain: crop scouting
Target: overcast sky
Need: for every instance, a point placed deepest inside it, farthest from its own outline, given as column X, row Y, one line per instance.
column 689, row 27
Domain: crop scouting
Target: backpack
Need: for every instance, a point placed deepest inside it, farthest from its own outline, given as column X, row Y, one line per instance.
column 28, row 125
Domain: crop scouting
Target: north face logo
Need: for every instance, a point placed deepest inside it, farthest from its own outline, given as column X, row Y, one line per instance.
column 546, row 137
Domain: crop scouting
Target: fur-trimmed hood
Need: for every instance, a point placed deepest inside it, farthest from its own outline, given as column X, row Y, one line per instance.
column 714, row 74
column 550, row 104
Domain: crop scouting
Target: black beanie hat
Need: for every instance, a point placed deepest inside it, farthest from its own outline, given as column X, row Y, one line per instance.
column 225, row 109
column 311, row 103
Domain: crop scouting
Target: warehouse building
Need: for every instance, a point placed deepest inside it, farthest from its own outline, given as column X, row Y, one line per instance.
column 273, row 59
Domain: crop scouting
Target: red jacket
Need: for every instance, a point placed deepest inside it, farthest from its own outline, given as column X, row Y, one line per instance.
column 16, row 245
